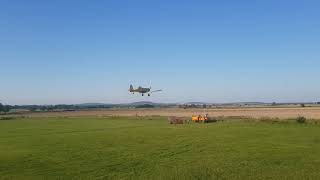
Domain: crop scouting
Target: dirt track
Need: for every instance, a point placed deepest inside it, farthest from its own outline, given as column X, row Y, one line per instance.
column 313, row 113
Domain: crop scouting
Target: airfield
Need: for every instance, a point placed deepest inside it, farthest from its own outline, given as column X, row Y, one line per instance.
column 252, row 112
column 246, row 143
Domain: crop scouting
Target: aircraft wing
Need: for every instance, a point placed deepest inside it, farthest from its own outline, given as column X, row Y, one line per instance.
column 156, row 91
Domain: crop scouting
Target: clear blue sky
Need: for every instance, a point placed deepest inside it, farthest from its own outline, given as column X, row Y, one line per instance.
column 61, row 51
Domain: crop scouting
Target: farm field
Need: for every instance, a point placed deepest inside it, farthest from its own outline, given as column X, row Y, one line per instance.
column 283, row 112
column 150, row 148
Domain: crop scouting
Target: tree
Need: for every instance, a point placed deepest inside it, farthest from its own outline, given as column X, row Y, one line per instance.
column 5, row 108
column 1, row 108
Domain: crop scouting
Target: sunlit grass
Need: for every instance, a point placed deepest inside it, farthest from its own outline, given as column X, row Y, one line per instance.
column 150, row 148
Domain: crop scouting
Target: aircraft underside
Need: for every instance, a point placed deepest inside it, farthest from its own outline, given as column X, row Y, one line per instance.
column 142, row 94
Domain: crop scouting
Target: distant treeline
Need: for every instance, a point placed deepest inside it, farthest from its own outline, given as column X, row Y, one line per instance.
column 145, row 106
column 7, row 108
column 65, row 107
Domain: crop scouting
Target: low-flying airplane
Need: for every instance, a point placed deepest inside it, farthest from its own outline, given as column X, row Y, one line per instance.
column 142, row 90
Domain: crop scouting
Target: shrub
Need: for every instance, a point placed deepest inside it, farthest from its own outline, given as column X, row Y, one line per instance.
column 177, row 120
column 270, row 119
column 7, row 118
column 301, row 119
column 212, row 120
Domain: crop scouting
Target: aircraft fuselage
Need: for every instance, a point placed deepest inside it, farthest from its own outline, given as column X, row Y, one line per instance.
column 140, row 89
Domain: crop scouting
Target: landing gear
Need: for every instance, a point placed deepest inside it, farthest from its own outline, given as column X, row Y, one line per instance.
column 147, row 94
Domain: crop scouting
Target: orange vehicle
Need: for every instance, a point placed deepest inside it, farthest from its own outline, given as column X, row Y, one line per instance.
column 200, row 118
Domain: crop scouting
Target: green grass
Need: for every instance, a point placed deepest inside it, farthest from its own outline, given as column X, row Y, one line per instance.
column 127, row 148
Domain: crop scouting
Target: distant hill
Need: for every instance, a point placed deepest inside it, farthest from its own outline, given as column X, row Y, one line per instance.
column 92, row 104
column 246, row 103
column 231, row 103
column 133, row 104
column 197, row 103
column 142, row 103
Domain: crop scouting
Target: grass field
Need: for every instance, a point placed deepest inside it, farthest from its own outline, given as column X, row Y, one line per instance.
column 150, row 148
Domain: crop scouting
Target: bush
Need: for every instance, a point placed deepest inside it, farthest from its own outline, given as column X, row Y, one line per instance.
column 177, row 120
column 7, row 118
column 301, row 119
column 270, row 119
column 212, row 120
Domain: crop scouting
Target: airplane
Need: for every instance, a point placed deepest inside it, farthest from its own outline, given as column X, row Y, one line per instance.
column 142, row 90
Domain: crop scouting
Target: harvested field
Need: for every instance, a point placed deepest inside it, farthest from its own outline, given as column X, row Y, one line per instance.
column 308, row 112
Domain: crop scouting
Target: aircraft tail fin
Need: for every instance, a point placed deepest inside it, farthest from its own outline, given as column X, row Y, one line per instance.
column 131, row 88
